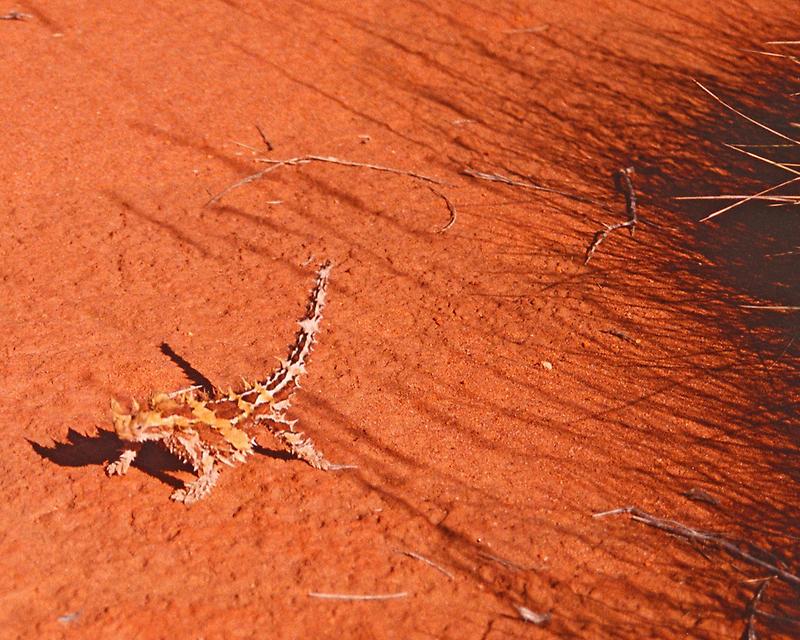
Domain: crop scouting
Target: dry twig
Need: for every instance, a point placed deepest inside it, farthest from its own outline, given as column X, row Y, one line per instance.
column 15, row 15
column 772, row 54
column 698, row 495
column 531, row 616
column 617, row 333
column 705, row 537
column 350, row 596
column 624, row 184
column 275, row 164
column 495, row 177
column 765, row 307
column 450, row 207
column 786, row 166
column 429, row 562
column 752, row 610
column 264, row 138
column 775, row 199
column 506, row 563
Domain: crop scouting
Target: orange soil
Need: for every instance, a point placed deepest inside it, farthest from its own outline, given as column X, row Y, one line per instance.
column 121, row 119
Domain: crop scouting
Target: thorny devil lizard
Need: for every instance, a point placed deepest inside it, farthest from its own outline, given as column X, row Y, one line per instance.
column 208, row 428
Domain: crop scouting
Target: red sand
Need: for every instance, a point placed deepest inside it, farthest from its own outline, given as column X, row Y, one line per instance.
column 120, row 121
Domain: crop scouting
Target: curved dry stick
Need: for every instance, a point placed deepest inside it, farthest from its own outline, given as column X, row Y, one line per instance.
column 450, row 207
column 312, row 158
column 356, row 596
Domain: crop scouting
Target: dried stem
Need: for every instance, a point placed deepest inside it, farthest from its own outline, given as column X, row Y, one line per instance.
column 531, row 616
column 495, row 177
column 755, row 196
column 450, row 207
column 706, row 537
column 15, row 15
column 766, row 307
column 275, row 164
column 752, row 610
column 617, row 333
column 502, row 561
column 348, row 596
column 264, row 138
column 761, row 195
column 778, row 199
column 537, row 29
column 429, row 562
column 786, row 166
column 745, row 116
column 624, row 184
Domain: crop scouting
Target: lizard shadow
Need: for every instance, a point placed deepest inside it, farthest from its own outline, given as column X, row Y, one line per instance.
column 81, row 450
column 194, row 375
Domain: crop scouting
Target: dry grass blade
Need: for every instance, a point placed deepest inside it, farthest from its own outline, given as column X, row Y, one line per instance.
column 752, row 610
column 749, row 198
column 786, row 166
column 705, row 537
column 531, row 616
column 495, row 177
column 356, row 596
column 745, row 116
column 779, row 199
column 766, row 146
column 275, row 164
column 450, row 207
column 15, row 15
column 776, row 200
column 772, row 54
column 251, row 178
column 501, row 561
column 429, row 562
column 766, row 307
column 351, row 163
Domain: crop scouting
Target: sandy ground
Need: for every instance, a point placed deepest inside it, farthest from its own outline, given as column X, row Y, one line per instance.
column 493, row 390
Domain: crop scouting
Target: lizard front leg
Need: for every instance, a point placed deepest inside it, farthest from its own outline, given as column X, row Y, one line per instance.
column 121, row 465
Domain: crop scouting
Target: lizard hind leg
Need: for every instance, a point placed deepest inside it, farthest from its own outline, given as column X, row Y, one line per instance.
column 198, row 489
column 296, row 442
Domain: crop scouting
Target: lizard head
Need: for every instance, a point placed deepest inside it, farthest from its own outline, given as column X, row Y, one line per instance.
column 138, row 425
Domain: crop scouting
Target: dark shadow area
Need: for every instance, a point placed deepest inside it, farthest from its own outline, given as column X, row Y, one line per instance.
column 193, row 375
column 84, row 451
column 658, row 408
